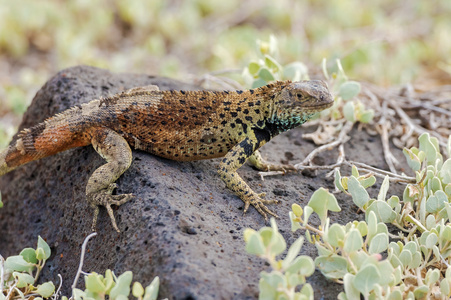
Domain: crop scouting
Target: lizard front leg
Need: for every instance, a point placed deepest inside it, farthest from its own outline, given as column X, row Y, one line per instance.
column 116, row 151
column 233, row 160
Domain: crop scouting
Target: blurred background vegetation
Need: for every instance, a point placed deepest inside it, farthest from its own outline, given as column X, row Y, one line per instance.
column 383, row 41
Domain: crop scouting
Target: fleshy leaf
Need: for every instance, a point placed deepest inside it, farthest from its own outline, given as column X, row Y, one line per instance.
column 152, row 289
column 366, row 279
column 349, row 90
column 44, row 246
column 321, row 202
column 46, row 289
column 359, row 195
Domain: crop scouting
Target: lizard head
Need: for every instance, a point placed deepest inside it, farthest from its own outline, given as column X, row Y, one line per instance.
column 298, row 101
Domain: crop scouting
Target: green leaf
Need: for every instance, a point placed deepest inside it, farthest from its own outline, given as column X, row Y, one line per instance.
column 383, row 211
column 411, row 246
column 353, row 241
column 445, row 289
column 109, row 281
column 277, row 243
column 17, row 263
column 307, row 213
column 405, row 257
column 273, row 45
column 430, row 222
column 46, row 289
column 259, row 83
column 40, row 254
column 302, row 265
column 384, row 189
column 431, row 240
column 395, row 295
column 413, row 160
column 272, row 64
column 297, row 210
column 333, row 267
column 367, row 182
column 349, row 111
column 393, row 201
column 306, row 291
column 350, row 289
column 386, row 270
column 253, row 68
column 435, row 184
column 45, row 247
column 349, row 90
column 267, row 291
column 445, row 234
column 152, row 289
column 367, row 116
column 355, row 171
column 432, row 276
column 363, row 228
column 378, row 244
column 359, row 195
column 421, row 292
column 137, row 290
column 335, row 235
column 254, row 244
column 293, row 251
column 295, row 71
column 395, row 248
column 337, row 181
column 78, row 294
column 323, row 251
column 122, row 286
column 326, row 74
column 274, row 279
column 294, row 223
column 372, row 224
column 29, row 255
column 322, row 201
column 428, row 147
column 94, row 283
column 23, row 279
column 265, row 74
column 366, row 279
column 448, row 189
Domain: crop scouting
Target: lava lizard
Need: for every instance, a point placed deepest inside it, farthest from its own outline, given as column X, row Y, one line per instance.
column 178, row 125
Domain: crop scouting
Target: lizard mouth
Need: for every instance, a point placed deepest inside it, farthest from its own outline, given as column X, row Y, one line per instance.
column 318, row 107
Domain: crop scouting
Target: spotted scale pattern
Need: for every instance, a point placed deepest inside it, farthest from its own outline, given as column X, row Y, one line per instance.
column 178, row 125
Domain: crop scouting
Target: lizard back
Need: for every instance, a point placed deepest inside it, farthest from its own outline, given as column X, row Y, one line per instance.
column 187, row 125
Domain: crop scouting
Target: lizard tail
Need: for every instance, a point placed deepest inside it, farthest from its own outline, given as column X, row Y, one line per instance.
column 56, row 134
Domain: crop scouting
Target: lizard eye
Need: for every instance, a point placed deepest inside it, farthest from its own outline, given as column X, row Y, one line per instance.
column 299, row 95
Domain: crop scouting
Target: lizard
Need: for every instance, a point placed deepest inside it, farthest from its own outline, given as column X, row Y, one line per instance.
column 175, row 124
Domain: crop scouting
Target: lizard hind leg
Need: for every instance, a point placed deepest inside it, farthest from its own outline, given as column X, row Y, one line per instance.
column 116, row 151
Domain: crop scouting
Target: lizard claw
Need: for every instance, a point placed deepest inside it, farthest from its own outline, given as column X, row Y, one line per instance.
column 104, row 198
column 259, row 205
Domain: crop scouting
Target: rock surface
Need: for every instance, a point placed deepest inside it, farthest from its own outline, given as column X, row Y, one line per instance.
column 183, row 225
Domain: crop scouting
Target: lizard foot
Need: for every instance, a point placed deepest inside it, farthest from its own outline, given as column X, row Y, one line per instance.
column 104, row 198
column 259, row 204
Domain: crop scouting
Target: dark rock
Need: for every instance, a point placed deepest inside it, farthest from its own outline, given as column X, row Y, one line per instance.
column 183, row 225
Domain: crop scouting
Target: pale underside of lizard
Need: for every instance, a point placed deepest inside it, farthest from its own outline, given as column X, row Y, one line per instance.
column 178, row 125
